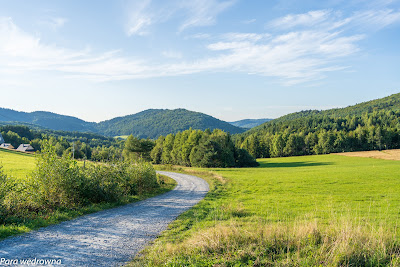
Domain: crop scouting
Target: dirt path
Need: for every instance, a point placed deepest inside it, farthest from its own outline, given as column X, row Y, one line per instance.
column 106, row 238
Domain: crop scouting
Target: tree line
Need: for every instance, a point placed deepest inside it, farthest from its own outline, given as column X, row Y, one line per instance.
column 196, row 148
column 322, row 134
column 83, row 145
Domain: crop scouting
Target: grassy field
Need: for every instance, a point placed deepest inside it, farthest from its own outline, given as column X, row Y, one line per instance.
column 17, row 164
column 327, row 210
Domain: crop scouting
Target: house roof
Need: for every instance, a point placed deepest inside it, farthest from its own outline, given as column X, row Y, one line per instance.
column 6, row 145
column 25, row 147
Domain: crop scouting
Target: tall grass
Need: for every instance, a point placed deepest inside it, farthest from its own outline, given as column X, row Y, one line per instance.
column 281, row 244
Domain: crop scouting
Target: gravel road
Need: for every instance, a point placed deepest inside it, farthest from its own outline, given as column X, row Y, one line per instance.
column 107, row 238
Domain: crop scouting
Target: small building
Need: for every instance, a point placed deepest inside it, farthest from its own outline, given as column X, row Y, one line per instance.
column 6, row 146
column 25, row 148
column 1, row 139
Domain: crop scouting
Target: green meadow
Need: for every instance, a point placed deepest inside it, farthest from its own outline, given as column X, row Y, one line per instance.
column 326, row 210
column 16, row 164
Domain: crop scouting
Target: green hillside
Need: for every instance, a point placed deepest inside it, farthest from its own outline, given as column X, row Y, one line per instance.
column 146, row 124
column 156, row 122
column 45, row 119
column 391, row 102
column 373, row 125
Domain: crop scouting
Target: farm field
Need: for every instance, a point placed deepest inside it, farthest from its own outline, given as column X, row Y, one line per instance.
column 16, row 164
column 391, row 154
column 311, row 210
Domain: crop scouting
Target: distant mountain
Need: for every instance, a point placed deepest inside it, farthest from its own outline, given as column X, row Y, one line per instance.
column 47, row 120
column 249, row 123
column 146, row 124
column 391, row 102
column 155, row 122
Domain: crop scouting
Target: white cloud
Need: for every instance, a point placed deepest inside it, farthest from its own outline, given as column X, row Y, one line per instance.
column 307, row 19
column 139, row 18
column 376, row 19
column 250, row 21
column 330, row 20
column 199, row 36
column 294, row 55
column 144, row 13
column 237, row 36
column 172, row 54
column 202, row 12
column 54, row 22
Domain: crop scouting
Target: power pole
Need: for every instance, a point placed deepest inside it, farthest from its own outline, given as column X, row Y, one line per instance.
column 73, row 150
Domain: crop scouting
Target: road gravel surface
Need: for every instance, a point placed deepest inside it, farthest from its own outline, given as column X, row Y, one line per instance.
column 106, row 238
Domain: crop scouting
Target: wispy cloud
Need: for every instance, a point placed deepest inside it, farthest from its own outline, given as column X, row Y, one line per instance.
column 308, row 19
column 329, row 20
column 54, row 22
column 172, row 54
column 202, row 12
column 194, row 13
column 138, row 18
column 249, row 21
column 199, row 36
column 300, row 53
column 376, row 19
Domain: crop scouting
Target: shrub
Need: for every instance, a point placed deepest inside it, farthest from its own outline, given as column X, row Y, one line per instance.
column 58, row 182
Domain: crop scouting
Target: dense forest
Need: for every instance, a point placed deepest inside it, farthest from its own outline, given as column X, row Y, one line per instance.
column 153, row 123
column 323, row 133
column 391, row 102
column 200, row 149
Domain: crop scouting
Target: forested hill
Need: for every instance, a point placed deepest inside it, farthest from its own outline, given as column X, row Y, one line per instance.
column 155, row 122
column 146, row 124
column 391, row 102
column 367, row 126
column 47, row 120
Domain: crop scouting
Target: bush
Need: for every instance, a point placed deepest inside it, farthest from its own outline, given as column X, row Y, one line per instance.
column 58, row 182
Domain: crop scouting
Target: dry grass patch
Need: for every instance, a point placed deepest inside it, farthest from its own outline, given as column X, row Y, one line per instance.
column 392, row 154
column 282, row 244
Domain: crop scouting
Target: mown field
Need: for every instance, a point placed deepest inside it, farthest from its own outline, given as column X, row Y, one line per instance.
column 326, row 210
column 16, row 164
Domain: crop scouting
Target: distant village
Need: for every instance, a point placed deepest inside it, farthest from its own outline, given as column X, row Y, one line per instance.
column 27, row 148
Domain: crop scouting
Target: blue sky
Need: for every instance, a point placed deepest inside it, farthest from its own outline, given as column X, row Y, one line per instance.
column 231, row 59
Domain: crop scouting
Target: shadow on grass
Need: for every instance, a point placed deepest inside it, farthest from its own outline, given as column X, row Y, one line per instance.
column 292, row 164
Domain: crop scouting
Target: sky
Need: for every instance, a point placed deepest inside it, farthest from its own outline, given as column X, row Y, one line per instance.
column 232, row 59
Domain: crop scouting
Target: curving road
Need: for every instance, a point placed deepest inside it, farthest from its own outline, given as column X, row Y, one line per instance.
column 107, row 238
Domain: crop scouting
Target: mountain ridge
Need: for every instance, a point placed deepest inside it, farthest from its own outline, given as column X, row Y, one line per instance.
column 391, row 102
column 149, row 123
